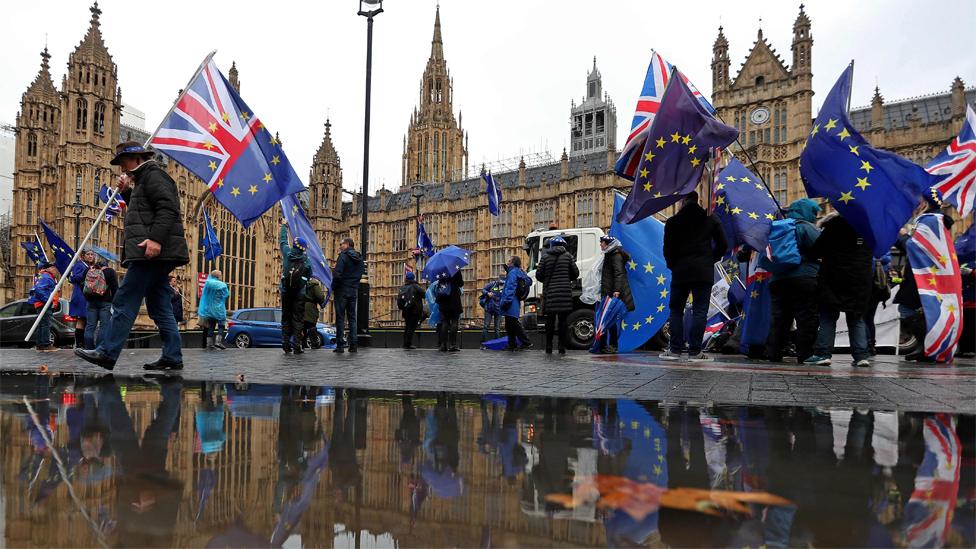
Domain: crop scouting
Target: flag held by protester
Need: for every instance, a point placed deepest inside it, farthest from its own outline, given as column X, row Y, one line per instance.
column 956, row 167
column 757, row 306
column 211, row 244
column 115, row 208
column 648, row 103
column 34, row 251
column 298, row 226
column 744, row 206
column 675, row 153
column 217, row 137
column 62, row 252
column 424, row 243
column 936, row 270
column 648, row 275
column 875, row 190
column 494, row 195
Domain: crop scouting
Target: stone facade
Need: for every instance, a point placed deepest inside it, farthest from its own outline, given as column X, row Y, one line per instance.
column 593, row 123
column 64, row 142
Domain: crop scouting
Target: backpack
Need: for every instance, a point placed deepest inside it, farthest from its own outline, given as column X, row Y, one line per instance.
column 294, row 277
column 522, row 288
column 880, row 287
column 95, row 286
column 442, row 290
column 405, row 299
column 783, row 247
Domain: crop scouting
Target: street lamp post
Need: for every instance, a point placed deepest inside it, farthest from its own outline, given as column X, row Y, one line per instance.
column 367, row 9
column 77, row 207
column 418, row 192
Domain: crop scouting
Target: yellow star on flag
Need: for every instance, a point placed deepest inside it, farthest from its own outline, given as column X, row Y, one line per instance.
column 235, row 191
column 853, row 149
column 275, row 160
column 759, row 186
column 745, row 179
column 866, row 166
column 692, row 149
column 648, row 268
column 660, row 142
column 720, row 186
column 658, row 195
column 770, row 216
column 843, row 133
column 754, row 294
column 675, row 137
column 664, row 293
column 274, row 140
column 846, row 197
column 649, row 319
column 720, row 200
column 660, row 308
column 267, row 178
column 862, row 183
column 632, row 265
column 644, row 172
column 753, row 215
column 660, row 279
column 212, row 165
column 736, row 210
column 730, row 178
column 816, row 128
column 253, row 189
column 225, row 117
column 685, row 140
column 208, row 145
column 220, row 183
column 623, row 324
column 647, row 187
column 695, row 162
column 649, row 156
column 636, row 326
column 244, row 115
column 831, row 124
column 212, row 127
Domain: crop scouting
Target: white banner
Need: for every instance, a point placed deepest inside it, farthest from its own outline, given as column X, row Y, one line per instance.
column 886, row 326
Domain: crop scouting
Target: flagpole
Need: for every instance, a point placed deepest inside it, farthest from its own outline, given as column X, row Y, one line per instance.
column 64, row 275
column 41, row 246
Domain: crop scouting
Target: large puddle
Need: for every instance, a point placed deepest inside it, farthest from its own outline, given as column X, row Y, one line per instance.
column 162, row 462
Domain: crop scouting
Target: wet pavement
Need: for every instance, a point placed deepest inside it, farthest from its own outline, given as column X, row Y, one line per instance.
column 169, row 461
column 891, row 384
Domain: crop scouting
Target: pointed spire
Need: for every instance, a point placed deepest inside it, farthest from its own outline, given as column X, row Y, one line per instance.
column 233, row 76
column 327, row 152
column 877, row 99
column 720, row 41
column 436, row 44
column 95, row 13
column 43, row 85
column 92, row 47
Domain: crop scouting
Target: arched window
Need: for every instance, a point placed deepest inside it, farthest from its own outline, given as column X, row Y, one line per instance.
column 98, row 124
column 32, row 144
column 760, row 81
column 96, row 188
column 78, row 178
column 30, row 209
column 437, row 156
column 81, row 118
column 88, row 76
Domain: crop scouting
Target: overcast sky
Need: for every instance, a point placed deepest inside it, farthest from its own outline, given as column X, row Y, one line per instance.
column 516, row 64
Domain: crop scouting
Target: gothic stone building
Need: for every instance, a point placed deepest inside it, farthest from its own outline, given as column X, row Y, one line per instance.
column 64, row 141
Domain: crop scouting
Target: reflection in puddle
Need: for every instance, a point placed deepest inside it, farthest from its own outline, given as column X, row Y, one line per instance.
column 160, row 462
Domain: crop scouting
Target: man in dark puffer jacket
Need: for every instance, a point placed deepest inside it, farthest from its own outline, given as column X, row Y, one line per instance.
column 154, row 244
column 557, row 271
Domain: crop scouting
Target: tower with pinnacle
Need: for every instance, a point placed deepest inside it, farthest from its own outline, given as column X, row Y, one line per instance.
column 435, row 148
column 593, row 123
column 325, row 194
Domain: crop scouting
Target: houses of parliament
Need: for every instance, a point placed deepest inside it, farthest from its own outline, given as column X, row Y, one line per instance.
column 64, row 140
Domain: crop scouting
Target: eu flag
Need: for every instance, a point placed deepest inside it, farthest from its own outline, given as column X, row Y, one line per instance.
column 648, row 275
column 424, row 243
column 875, row 190
column 298, row 226
column 756, row 311
column 211, row 244
column 744, row 206
column 62, row 252
column 217, row 137
column 677, row 149
column 34, row 251
column 494, row 195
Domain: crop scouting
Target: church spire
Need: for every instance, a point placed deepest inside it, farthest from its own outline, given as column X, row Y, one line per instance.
column 43, row 84
column 436, row 44
column 92, row 48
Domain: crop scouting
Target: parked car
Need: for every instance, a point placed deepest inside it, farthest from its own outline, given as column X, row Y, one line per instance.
column 17, row 317
column 261, row 327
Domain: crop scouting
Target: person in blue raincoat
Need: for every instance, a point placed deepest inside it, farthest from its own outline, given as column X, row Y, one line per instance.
column 490, row 301
column 78, row 306
column 434, row 320
column 213, row 309
column 511, row 306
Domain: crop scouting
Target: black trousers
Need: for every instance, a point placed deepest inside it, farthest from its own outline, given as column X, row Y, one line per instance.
column 793, row 299
column 551, row 319
column 515, row 332
column 411, row 322
column 292, row 318
column 449, row 332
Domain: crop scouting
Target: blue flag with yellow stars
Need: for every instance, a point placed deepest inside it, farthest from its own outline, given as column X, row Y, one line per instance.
column 62, row 252
column 298, row 226
column 756, row 310
column 744, row 206
column 648, row 275
column 876, row 191
column 34, row 251
column 212, row 133
column 211, row 244
column 677, row 149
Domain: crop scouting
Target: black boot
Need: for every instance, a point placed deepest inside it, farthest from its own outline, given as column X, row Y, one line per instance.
column 79, row 338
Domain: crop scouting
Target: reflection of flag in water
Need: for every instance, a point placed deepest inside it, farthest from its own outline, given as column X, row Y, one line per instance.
column 294, row 509
column 208, row 480
column 62, row 252
column 928, row 514
column 936, row 269
column 956, row 166
column 756, row 310
column 648, row 276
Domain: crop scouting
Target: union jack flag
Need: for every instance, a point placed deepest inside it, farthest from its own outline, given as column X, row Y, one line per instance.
column 213, row 134
column 655, row 82
column 928, row 514
column 936, row 269
column 957, row 163
column 118, row 203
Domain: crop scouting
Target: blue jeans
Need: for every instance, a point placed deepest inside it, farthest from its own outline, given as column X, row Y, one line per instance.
column 42, row 336
column 345, row 309
column 147, row 280
column 99, row 315
column 856, row 331
column 700, row 294
column 489, row 320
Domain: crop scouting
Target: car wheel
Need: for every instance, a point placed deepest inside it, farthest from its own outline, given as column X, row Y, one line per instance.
column 581, row 329
column 907, row 342
column 242, row 340
column 314, row 340
column 661, row 339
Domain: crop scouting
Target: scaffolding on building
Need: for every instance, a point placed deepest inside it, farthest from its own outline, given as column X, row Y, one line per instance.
column 511, row 164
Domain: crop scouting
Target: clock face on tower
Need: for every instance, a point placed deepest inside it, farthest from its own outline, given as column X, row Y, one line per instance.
column 759, row 116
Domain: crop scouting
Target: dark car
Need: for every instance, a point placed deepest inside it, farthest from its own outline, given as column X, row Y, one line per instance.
column 17, row 317
column 261, row 327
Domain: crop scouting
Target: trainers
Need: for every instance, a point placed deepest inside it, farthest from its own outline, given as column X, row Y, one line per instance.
column 668, row 355
column 863, row 363
column 699, row 357
column 816, row 360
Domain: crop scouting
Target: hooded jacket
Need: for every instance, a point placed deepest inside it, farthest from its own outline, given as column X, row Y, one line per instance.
column 314, row 298
column 290, row 255
column 510, row 305
column 348, row 270
column 846, row 268
column 153, row 212
column 557, row 271
column 213, row 300
column 451, row 306
column 613, row 276
column 804, row 211
column 693, row 242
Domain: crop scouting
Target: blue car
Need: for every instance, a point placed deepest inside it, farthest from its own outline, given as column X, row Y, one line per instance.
column 261, row 327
